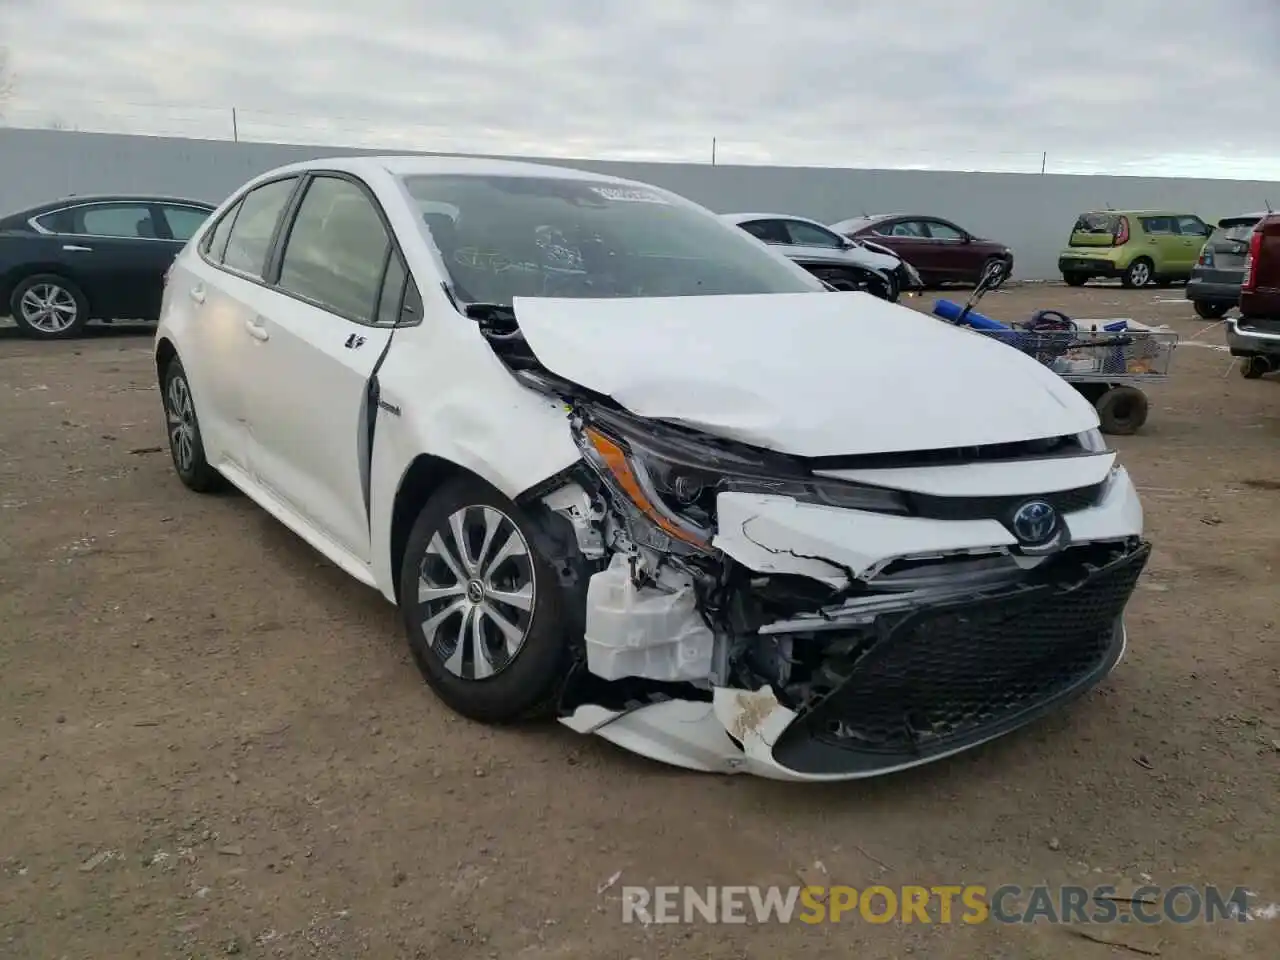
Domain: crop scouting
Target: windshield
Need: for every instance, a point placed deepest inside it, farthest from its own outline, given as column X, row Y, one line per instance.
column 501, row 237
column 1105, row 223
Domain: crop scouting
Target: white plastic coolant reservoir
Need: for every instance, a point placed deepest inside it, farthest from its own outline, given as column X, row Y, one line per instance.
column 645, row 631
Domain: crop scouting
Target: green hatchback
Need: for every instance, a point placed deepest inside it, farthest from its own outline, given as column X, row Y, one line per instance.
column 1137, row 246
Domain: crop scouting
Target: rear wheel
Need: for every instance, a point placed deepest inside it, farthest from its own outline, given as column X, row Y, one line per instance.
column 186, row 445
column 481, row 608
column 1209, row 310
column 49, row 307
column 1251, row 368
column 1139, row 273
column 1075, row 279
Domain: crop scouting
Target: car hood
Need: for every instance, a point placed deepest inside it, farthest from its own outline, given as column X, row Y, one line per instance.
column 806, row 374
column 859, row 256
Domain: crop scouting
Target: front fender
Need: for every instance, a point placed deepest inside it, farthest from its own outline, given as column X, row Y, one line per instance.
column 450, row 397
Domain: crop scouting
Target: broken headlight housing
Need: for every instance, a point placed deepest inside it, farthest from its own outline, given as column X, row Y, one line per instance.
column 673, row 477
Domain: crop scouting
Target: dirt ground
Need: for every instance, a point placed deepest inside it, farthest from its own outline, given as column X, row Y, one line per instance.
column 212, row 742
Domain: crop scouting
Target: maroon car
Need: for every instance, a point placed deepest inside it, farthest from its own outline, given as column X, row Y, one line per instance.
column 941, row 251
column 1255, row 337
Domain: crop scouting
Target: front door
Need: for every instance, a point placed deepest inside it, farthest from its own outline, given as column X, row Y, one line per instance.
column 323, row 330
column 1193, row 233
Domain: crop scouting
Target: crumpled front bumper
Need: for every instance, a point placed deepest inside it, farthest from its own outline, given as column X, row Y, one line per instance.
column 939, row 680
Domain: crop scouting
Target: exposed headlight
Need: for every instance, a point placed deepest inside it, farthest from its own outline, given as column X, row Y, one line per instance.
column 1092, row 441
column 673, row 479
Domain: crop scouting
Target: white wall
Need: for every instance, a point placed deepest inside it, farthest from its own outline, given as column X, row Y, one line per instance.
column 1031, row 213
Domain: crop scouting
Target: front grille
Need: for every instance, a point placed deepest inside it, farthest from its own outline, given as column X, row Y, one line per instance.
column 1000, row 508
column 966, row 671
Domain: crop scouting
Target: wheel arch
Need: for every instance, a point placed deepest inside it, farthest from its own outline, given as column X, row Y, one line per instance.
column 166, row 353
column 10, row 281
column 424, row 475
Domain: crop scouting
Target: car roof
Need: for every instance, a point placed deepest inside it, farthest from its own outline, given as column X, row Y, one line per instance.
column 79, row 199
column 418, row 165
column 745, row 217
column 1246, row 216
column 1141, row 213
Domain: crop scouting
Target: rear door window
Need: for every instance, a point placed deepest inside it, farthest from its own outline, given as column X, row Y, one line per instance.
column 1158, row 226
column 255, row 226
column 770, row 231
column 126, row 220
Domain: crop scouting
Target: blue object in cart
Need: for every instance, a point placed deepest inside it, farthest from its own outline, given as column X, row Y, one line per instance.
column 950, row 310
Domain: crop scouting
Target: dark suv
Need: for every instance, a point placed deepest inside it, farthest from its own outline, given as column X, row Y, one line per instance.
column 1255, row 337
column 1214, row 287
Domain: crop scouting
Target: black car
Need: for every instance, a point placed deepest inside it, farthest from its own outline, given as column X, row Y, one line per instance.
column 1214, row 287
column 101, row 257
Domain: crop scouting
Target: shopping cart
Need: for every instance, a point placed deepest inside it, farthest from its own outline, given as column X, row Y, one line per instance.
column 1105, row 365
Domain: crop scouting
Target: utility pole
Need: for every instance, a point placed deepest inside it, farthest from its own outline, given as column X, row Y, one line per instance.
column 235, row 126
column 713, row 151
column 1044, row 158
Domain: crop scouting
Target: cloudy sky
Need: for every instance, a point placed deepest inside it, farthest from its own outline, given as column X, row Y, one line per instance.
column 1128, row 86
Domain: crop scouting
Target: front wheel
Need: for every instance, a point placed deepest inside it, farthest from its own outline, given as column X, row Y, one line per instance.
column 482, row 608
column 1209, row 310
column 49, row 307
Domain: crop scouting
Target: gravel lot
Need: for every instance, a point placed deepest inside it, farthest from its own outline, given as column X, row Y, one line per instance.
column 213, row 742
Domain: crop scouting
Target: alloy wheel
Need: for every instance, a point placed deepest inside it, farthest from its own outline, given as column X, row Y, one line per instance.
column 181, row 414
column 476, row 592
column 48, row 308
column 1140, row 273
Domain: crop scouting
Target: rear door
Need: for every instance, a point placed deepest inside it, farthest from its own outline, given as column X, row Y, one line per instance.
column 910, row 240
column 117, row 252
column 217, row 290
column 323, row 330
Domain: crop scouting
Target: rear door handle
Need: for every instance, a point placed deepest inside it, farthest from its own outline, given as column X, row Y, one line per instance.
column 197, row 294
column 75, row 248
column 257, row 330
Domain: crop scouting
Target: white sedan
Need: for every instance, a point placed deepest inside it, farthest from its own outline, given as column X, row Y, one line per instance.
column 619, row 463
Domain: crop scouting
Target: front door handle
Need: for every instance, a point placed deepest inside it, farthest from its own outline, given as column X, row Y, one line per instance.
column 257, row 330
column 76, row 248
column 197, row 294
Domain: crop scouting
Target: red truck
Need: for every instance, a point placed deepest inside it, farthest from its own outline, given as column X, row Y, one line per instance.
column 1255, row 337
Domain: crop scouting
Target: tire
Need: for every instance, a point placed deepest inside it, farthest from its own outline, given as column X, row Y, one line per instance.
column 522, row 684
column 46, row 306
column 1251, row 368
column 1075, row 279
column 1138, row 274
column 1122, row 410
column 1004, row 271
column 1210, row 310
column 186, row 445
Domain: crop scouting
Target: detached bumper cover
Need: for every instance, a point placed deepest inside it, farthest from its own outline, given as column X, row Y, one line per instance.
column 953, row 676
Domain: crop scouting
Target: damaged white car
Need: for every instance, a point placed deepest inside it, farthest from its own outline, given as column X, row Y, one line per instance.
column 620, row 463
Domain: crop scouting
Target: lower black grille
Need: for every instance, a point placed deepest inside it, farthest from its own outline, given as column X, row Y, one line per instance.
column 967, row 671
